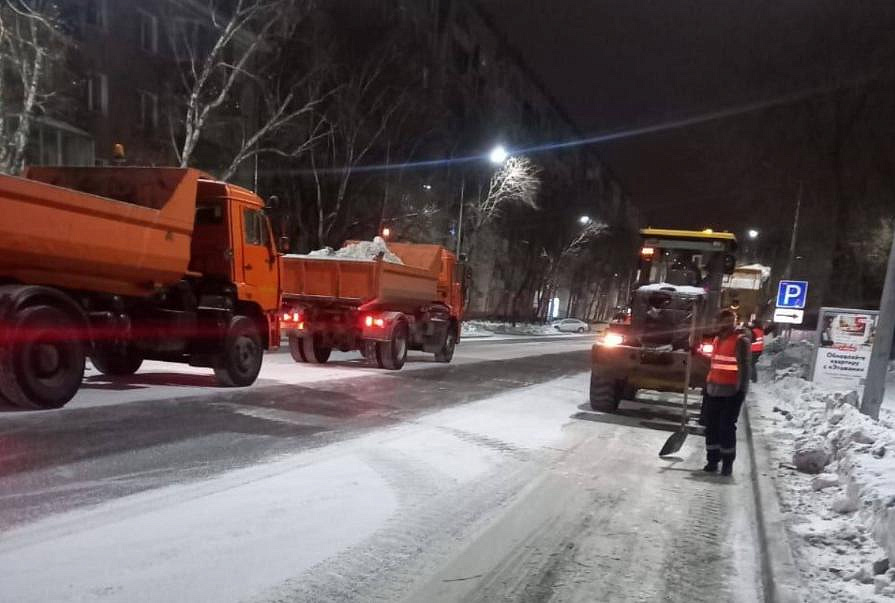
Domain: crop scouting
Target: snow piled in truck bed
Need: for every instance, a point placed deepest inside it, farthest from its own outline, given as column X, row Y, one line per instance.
column 843, row 520
column 362, row 250
column 686, row 290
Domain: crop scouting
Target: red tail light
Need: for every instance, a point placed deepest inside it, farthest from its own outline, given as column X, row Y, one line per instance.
column 706, row 349
column 373, row 321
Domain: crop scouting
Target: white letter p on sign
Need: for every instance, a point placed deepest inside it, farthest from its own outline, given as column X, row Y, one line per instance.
column 791, row 292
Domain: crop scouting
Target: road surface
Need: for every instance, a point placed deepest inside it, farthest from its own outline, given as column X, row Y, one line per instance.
column 485, row 480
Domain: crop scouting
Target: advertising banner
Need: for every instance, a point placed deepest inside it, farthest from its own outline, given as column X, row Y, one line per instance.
column 844, row 341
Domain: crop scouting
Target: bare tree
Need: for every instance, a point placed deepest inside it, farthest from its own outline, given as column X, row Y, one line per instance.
column 358, row 112
column 517, row 181
column 29, row 39
column 221, row 58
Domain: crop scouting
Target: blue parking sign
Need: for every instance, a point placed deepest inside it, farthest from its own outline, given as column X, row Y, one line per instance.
column 792, row 294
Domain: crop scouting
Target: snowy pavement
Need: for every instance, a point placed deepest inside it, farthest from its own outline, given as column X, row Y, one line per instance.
column 489, row 479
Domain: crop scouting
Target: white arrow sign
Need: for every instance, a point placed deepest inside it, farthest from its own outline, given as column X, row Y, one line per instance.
column 785, row 315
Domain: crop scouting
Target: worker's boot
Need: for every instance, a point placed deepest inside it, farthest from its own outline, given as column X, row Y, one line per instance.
column 711, row 467
column 727, row 466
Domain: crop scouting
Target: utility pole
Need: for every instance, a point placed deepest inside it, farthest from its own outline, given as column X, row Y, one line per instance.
column 795, row 234
column 875, row 385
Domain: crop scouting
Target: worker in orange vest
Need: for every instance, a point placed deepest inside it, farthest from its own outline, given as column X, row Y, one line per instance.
column 725, row 390
column 757, row 348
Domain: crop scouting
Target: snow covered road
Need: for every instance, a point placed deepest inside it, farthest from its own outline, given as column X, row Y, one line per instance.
column 489, row 479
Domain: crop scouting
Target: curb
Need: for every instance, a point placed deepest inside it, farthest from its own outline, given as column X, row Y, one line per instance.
column 780, row 576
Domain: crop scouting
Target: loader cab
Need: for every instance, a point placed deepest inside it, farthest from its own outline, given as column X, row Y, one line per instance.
column 685, row 258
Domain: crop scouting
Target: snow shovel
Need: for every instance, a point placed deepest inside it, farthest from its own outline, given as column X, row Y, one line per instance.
column 676, row 440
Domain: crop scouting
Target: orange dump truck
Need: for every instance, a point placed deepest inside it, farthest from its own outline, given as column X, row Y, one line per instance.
column 377, row 307
column 127, row 264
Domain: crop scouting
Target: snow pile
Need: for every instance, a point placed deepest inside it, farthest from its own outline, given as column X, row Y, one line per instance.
column 793, row 359
column 482, row 327
column 836, row 478
column 362, row 250
column 686, row 290
column 472, row 329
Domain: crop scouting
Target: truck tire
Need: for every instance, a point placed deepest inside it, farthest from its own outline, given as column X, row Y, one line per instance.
column 296, row 349
column 446, row 353
column 313, row 351
column 240, row 362
column 41, row 371
column 603, row 394
column 117, row 364
column 393, row 353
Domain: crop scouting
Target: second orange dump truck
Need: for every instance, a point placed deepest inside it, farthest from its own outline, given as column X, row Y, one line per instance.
column 379, row 308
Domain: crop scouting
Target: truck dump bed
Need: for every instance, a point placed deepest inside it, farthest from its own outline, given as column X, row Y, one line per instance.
column 118, row 230
column 358, row 282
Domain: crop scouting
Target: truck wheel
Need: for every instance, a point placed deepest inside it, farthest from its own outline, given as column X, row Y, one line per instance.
column 116, row 363
column 603, row 394
column 393, row 353
column 240, row 362
column 446, row 353
column 42, row 371
column 296, row 349
column 313, row 351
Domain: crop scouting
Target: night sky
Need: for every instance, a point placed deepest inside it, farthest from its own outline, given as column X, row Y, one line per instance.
column 619, row 64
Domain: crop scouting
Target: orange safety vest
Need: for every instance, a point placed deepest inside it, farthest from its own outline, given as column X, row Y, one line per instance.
column 724, row 369
column 757, row 339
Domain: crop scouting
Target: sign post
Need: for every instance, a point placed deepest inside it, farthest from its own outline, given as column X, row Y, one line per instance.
column 879, row 363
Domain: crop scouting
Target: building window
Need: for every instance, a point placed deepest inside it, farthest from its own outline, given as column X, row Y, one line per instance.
column 97, row 13
column 98, row 93
column 148, row 32
column 148, row 110
column 188, row 39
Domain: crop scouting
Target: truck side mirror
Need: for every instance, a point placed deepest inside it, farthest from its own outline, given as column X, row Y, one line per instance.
column 283, row 244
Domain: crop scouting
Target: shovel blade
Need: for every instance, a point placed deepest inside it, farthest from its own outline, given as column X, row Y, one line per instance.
column 674, row 442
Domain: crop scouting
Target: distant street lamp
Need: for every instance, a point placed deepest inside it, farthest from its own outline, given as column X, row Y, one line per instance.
column 386, row 232
column 753, row 234
column 584, row 220
column 498, row 155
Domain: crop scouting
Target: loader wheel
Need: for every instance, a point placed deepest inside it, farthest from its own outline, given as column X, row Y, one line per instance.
column 41, row 370
column 296, row 348
column 446, row 353
column 240, row 362
column 603, row 394
column 393, row 353
column 117, row 364
column 313, row 351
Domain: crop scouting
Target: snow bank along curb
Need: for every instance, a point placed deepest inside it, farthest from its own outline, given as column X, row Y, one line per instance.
column 842, row 521
column 780, row 577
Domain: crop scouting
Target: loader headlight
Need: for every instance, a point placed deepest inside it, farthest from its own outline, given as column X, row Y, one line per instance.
column 613, row 339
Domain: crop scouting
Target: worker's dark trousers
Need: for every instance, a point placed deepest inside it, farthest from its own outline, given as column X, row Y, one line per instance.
column 755, row 357
column 720, row 414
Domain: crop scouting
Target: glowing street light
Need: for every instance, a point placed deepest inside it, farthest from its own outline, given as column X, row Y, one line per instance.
column 584, row 220
column 753, row 234
column 386, row 232
column 498, row 155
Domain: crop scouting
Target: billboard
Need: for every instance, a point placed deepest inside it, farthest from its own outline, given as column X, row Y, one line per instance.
column 844, row 341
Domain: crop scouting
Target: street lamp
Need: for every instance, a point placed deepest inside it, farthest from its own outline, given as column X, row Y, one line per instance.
column 753, row 234
column 584, row 220
column 498, row 155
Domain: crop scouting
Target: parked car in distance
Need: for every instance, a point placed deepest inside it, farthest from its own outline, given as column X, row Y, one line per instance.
column 571, row 325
